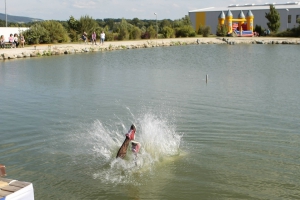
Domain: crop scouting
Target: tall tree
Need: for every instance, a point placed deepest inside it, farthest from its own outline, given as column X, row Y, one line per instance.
column 56, row 32
column 122, row 30
column 89, row 25
column 274, row 19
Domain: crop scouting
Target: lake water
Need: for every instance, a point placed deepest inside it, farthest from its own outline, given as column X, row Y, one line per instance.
column 236, row 136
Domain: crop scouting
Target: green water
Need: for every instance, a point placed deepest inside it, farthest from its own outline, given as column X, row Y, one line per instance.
column 236, row 136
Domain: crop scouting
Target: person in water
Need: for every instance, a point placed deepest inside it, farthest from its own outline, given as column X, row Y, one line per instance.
column 135, row 147
column 131, row 133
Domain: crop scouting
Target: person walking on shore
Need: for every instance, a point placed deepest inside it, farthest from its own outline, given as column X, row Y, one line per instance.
column 94, row 35
column 102, row 37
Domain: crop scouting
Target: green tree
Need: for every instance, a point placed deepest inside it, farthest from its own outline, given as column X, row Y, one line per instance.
column 274, row 19
column 73, row 23
column 183, row 27
column 137, row 22
column 36, row 34
column 101, row 22
column 185, row 31
column 73, row 30
column 110, row 23
column 222, row 30
column 2, row 23
column 165, row 23
column 168, row 32
column 57, row 33
column 123, row 30
column 258, row 29
column 200, row 30
column 206, row 31
column 89, row 25
column 151, row 32
column 186, row 20
column 135, row 33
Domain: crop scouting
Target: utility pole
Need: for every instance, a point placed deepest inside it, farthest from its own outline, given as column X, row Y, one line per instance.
column 5, row 14
column 287, row 15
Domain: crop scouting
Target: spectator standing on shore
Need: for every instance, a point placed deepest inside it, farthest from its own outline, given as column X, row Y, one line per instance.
column 16, row 40
column 102, row 37
column 94, row 35
column 2, row 41
column 11, row 40
column 22, row 40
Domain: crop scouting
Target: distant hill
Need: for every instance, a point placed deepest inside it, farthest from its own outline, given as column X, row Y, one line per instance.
column 18, row 19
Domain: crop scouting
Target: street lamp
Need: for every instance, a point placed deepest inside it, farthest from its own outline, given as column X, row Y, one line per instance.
column 156, row 26
column 287, row 15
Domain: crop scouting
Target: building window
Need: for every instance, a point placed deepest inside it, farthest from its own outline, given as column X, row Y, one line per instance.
column 297, row 18
column 289, row 18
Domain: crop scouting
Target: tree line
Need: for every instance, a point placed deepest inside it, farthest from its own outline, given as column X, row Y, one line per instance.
column 53, row 31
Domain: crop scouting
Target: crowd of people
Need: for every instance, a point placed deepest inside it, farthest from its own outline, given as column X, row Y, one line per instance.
column 14, row 41
column 93, row 40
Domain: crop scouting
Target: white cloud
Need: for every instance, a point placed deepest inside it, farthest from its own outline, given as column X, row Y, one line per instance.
column 84, row 4
column 137, row 10
column 99, row 9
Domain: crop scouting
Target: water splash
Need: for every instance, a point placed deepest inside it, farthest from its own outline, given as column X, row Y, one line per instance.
column 159, row 142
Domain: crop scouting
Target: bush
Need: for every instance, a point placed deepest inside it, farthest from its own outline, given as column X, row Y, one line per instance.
column 259, row 30
column 123, row 34
column 151, row 32
column 206, row 31
column 36, row 34
column 87, row 24
column 287, row 33
column 56, row 31
column 200, row 30
column 222, row 30
column 73, row 35
column 109, row 36
column 145, row 35
column 185, row 31
column 135, row 33
column 168, row 32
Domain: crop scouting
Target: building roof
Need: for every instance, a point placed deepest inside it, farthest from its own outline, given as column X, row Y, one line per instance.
column 288, row 5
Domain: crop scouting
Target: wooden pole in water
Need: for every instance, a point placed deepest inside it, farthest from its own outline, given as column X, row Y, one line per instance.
column 2, row 170
column 206, row 78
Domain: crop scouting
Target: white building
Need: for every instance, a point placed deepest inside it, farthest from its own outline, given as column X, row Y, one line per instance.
column 289, row 12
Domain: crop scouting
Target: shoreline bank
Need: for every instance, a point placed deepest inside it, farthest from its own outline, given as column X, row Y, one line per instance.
column 72, row 48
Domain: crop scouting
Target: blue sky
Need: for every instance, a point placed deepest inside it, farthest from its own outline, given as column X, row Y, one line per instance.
column 100, row 9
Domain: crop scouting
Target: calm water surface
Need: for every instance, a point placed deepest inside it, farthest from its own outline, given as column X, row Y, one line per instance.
column 62, row 120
